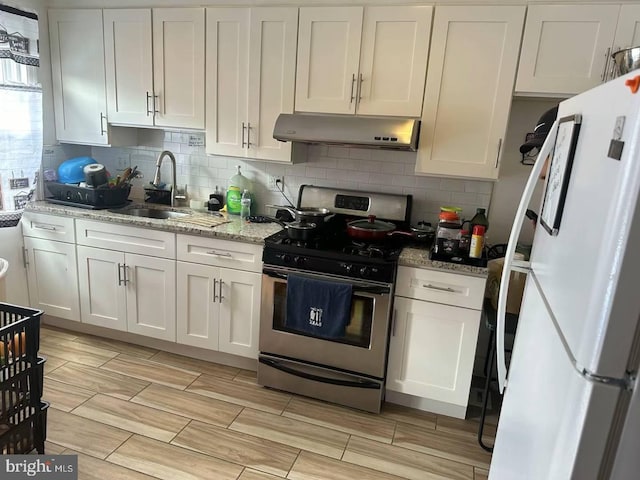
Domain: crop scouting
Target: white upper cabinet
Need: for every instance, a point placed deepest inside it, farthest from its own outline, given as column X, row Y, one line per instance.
column 472, row 67
column 77, row 65
column 365, row 60
column 328, row 57
column 565, row 48
column 251, row 58
column 155, row 66
column 129, row 66
column 628, row 31
column 393, row 60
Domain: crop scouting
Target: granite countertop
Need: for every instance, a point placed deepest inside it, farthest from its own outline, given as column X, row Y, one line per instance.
column 419, row 258
column 234, row 229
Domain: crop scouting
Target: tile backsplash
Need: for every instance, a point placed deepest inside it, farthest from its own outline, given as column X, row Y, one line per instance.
column 349, row 168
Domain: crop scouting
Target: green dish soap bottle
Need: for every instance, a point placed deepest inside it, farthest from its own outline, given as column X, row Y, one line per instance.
column 237, row 184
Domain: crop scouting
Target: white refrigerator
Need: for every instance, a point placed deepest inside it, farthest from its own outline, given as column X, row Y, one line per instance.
column 571, row 408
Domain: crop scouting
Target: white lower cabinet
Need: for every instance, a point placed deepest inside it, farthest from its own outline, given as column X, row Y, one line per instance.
column 219, row 290
column 434, row 336
column 128, row 292
column 218, row 308
column 432, row 350
column 51, row 276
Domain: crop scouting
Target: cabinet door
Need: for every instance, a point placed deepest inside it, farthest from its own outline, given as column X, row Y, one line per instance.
column 78, row 76
column 103, row 300
column 227, row 79
column 472, row 65
column 328, row 56
column 272, row 77
column 178, row 66
column 432, row 350
column 393, row 60
column 52, row 277
column 151, row 296
column 239, row 312
column 128, row 63
column 198, row 305
column 565, row 48
column 628, row 30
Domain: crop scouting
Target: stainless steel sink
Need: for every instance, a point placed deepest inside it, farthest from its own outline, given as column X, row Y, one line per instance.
column 151, row 213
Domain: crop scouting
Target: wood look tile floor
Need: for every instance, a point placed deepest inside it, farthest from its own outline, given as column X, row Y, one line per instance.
column 131, row 412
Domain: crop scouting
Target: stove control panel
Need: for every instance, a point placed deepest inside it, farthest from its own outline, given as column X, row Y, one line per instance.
column 375, row 270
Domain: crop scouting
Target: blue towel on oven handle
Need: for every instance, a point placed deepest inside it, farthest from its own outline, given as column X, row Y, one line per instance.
column 318, row 307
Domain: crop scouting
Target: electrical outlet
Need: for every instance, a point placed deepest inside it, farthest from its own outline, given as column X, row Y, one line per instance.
column 276, row 183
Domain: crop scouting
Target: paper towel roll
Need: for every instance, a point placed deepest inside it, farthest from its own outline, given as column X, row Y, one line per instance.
column 95, row 175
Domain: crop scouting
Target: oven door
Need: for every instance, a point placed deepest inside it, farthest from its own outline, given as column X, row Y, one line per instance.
column 363, row 347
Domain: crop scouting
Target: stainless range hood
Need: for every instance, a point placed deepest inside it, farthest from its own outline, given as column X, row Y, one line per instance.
column 348, row 130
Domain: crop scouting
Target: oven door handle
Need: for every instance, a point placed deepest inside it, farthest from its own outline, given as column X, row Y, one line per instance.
column 317, row 378
column 375, row 290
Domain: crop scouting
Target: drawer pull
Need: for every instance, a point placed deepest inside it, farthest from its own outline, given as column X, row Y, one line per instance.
column 44, row 227
column 217, row 254
column 442, row 289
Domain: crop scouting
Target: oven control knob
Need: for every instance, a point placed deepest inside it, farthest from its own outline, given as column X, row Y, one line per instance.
column 365, row 271
column 286, row 258
column 299, row 260
column 347, row 267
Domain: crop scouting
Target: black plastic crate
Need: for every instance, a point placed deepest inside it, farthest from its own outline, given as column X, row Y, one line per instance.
column 29, row 434
column 19, row 337
column 21, row 390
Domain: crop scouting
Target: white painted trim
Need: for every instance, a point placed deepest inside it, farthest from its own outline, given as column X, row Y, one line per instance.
column 427, row 405
column 193, row 352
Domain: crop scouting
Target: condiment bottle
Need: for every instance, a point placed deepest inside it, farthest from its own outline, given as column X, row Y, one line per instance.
column 480, row 219
column 477, row 242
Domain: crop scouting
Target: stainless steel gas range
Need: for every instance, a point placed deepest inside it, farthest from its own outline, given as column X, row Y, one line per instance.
column 346, row 366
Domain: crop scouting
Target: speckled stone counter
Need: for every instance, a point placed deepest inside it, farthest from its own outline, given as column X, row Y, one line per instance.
column 419, row 258
column 235, row 229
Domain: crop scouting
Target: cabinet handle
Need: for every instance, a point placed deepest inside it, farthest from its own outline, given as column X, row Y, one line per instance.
column 44, row 227
column 393, row 323
column 248, row 134
column 353, row 83
column 498, row 154
column 125, row 269
column 216, row 254
column 119, row 274
column 102, row 130
column 215, row 282
column 220, row 296
column 155, row 108
column 606, row 62
column 442, row 289
column 611, row 69
column 360, row 89
column 25, row 257
column 149, row 112
column 243, row 127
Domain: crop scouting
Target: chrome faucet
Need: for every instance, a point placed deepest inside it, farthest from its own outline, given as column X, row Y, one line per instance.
column 157, row 181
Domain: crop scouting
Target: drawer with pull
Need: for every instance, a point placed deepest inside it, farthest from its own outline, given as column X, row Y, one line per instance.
column 219, row 253
column 49, row 227
column 440, row 287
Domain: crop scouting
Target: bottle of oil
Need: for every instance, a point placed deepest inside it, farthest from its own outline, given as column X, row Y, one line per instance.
column 480, row 219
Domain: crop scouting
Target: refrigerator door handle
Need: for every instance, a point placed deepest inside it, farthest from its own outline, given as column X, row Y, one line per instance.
column 545, row 150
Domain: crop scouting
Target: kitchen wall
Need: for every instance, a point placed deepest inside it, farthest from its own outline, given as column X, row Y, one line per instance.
column 525, row 113
column 350, row 168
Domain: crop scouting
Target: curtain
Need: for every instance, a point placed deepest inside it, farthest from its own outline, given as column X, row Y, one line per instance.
column 21, row 112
